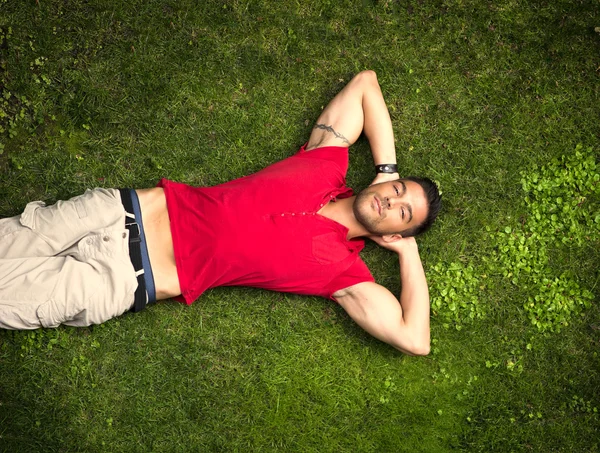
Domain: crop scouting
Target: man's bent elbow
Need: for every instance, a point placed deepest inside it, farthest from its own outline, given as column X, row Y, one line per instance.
column 367, row 76
column 421, row 350
column 416, row 348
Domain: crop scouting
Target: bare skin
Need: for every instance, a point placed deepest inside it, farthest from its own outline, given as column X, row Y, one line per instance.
column 157, row 229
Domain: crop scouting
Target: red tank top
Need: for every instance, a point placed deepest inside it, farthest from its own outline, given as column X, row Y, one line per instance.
column 263, row 230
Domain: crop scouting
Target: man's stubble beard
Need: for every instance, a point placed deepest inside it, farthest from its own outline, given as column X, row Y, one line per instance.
column 362, row 208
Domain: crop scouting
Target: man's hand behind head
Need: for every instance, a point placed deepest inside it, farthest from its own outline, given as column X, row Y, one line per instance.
column 395, row 243
column 385, row 177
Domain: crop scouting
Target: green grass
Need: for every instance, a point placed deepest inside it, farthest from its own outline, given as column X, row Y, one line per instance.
column 118, row 94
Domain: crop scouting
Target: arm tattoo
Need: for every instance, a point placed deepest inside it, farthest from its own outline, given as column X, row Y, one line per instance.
column 332, row 130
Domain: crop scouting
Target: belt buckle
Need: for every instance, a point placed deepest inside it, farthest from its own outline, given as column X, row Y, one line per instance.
column 134, row 236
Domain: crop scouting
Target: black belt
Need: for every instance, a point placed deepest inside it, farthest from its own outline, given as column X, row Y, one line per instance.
column 135, row 252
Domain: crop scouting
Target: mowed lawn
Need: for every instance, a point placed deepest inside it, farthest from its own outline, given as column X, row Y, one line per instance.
column 496, row 101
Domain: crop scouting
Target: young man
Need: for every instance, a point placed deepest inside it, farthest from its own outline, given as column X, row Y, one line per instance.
column 292, row 227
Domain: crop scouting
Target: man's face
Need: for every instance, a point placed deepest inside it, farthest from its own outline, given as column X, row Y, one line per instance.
column 391, row 207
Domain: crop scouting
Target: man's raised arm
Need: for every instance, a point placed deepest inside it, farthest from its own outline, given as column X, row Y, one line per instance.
column 404, row 324
column 359, row 107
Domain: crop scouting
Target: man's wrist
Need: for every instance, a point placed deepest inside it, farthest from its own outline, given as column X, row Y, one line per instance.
column 407, row 246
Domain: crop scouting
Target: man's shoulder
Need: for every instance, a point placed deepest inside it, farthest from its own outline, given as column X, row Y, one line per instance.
column 326, row 160
column 327, row 151
column 334, row 155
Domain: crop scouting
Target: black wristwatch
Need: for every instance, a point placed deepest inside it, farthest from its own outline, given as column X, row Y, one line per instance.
column 386, row 168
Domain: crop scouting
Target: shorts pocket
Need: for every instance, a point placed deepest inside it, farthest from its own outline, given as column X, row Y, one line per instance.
column 78, row 290
column 29, row 215
column 50, row 314
column 60, row 225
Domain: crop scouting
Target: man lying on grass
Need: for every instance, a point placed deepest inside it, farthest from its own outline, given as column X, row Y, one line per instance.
column 292, row 227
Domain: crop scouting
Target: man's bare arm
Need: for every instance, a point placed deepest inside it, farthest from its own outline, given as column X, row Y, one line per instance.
column 403, row 324
column 358, row 108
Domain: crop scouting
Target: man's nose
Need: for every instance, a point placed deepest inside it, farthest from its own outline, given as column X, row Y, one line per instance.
column 391, row 202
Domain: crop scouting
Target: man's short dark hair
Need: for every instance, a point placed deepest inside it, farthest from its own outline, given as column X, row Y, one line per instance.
column 434, row 204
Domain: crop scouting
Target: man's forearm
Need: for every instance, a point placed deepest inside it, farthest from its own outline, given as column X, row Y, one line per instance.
column 377, row 122
column 414, row 296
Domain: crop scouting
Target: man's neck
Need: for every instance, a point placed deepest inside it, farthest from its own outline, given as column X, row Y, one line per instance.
column 341, row 211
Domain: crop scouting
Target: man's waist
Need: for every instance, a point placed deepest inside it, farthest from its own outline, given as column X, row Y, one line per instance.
column 157, row 229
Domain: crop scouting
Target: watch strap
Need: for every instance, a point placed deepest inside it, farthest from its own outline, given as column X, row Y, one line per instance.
column 386, row 168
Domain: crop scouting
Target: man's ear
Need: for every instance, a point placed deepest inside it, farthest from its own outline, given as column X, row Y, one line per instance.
column 388, row 238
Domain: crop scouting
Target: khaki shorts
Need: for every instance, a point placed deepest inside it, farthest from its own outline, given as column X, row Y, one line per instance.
column 66, row 264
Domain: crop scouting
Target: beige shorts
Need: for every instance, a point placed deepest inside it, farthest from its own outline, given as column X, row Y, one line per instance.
column 66, row 264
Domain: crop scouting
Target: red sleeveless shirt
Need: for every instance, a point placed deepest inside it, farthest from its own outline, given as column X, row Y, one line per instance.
column 264, row 231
